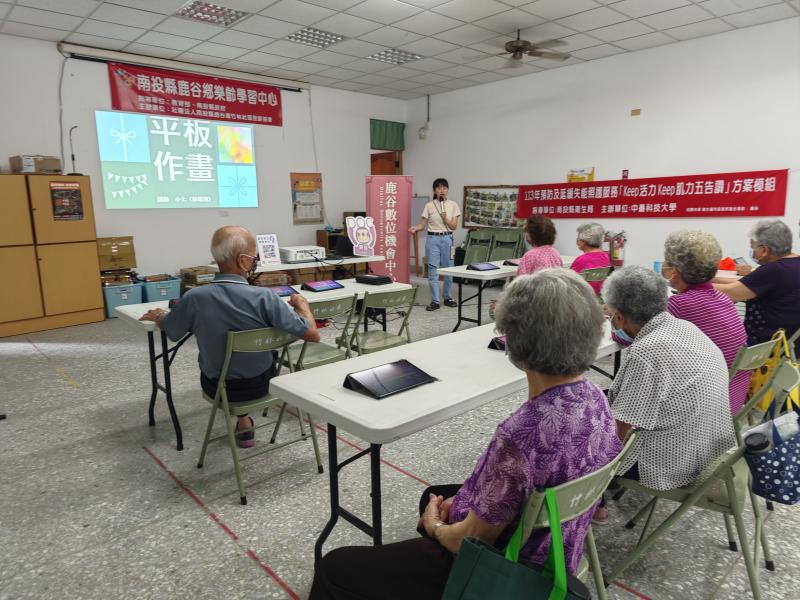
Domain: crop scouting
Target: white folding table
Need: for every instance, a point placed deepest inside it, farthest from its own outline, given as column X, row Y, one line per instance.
column 463, row 272
column 471, row 376
column 352, row 261
column 131, row 314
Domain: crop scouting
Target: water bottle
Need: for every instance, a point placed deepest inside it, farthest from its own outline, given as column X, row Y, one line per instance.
column 757, row 443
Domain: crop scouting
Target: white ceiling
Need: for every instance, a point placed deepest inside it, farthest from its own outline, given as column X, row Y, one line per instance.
column 459, row 39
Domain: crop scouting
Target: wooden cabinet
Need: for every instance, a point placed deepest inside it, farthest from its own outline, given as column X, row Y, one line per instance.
column 20, row 296
column 49, row 254
column 48, row 194
column 70, row 275
column 15, row 229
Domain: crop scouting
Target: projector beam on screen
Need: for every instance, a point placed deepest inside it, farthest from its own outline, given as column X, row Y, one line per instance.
column 155, row 161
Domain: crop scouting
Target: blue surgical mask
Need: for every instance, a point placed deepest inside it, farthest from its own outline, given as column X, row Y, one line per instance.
column 622, row 336
column 753, row 254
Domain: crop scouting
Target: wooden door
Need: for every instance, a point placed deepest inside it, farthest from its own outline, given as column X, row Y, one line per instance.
column 386, row 163
column 70, row 276
column 15, row 223
column 20, row 295
column 62, row 208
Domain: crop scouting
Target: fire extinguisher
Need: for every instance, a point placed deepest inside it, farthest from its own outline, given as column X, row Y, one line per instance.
column 617, row 249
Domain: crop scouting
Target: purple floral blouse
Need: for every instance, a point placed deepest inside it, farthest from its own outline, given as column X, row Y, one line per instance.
column 564, row 433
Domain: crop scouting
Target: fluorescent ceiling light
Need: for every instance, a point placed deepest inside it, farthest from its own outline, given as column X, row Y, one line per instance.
column 315, row 37
column 393, row 56
column 213, row 14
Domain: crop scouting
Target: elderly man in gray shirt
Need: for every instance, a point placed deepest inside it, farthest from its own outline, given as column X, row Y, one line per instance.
column 229, row 303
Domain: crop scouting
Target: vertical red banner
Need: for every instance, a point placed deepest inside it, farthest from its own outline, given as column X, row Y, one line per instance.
column 389, row 205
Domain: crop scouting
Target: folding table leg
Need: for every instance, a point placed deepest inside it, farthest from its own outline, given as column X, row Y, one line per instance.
column 375, row 476
column 333, row 477
column 151, row 346
column 460, row 302
column 168, row 391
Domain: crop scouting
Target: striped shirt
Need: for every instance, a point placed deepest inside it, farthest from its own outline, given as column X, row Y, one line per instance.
column 716, row 316
column 539, row 257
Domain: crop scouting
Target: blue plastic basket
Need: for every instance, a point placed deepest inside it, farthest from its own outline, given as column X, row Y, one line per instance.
column 162, row 290
column 119, row 295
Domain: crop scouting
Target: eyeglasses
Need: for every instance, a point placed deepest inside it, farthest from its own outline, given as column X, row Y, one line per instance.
column 255, row 258
column 666, row 271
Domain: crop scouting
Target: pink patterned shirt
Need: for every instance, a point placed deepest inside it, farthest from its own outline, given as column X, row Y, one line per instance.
column 539, row 257
column 565, row 432
column 591, row 260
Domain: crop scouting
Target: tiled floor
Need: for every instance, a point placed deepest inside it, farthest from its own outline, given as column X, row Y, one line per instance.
column 96, row 504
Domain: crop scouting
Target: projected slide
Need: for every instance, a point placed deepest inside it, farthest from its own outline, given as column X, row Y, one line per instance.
column 154, row 161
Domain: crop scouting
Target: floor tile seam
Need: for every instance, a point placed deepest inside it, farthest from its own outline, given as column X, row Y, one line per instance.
column 63, row 373
column 232, row 535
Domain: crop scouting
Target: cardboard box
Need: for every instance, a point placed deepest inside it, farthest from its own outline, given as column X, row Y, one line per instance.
column 116, row 253
column 265, row 279
column 299, row 276
column 197, row 275
column 116, row 277
column 48, row 165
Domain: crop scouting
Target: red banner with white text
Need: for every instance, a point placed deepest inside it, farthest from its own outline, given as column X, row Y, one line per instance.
column 181, row 94
column 747, row 194
column 389, row 206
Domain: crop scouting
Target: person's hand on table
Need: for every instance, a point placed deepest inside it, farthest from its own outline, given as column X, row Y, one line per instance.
column 156, row 315
column 743, row 269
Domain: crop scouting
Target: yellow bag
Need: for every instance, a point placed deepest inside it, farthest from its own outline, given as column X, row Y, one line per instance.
column 761, row 375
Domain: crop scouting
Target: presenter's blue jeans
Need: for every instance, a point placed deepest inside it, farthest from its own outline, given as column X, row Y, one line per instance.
column 437, row 251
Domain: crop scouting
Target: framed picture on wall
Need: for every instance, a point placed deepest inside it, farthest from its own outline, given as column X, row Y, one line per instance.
column 490, row 206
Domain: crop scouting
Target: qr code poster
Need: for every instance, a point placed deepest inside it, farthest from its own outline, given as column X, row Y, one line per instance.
column 268, row 248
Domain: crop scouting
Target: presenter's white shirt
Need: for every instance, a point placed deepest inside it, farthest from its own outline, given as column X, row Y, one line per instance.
column 432, row 213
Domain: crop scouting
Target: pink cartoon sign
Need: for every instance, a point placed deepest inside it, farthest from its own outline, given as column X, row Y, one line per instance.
column 361, row 231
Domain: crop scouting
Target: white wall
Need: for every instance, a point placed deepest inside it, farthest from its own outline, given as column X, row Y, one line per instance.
column 167, row 239
column 729, row 102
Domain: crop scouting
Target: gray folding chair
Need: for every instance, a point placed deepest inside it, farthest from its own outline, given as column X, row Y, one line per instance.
column 574, row 499
column 252, row 340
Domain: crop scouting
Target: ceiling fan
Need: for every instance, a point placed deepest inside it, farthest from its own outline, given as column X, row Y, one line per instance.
column 518, row 48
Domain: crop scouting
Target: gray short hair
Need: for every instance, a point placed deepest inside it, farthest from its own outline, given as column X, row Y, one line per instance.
column 695, row 254
column 774, row 234
column 552, row 321
column 229, row 242
column 592, row 234
column 638, row 293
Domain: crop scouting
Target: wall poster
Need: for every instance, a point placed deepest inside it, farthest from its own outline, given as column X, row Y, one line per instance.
column 307, row 204
column 490, row 206
column 66, row 199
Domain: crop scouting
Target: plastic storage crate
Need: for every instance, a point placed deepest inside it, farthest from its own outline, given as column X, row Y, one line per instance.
column 119, row 295
column 169, row 289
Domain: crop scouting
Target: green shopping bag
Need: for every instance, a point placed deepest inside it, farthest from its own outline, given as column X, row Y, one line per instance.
column 481, row 572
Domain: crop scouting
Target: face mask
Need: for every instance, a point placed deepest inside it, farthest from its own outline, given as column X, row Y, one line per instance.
column 620, row 334
column 250, row 275
column 623, row 337
column 753, row 254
